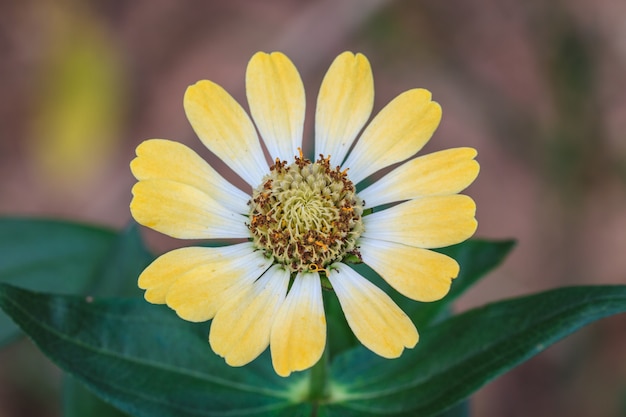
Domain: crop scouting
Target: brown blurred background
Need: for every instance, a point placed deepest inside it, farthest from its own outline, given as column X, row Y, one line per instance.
column 538, row 87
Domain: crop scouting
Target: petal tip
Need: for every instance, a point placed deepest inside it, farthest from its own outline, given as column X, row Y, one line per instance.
column 194, row 92
column 413, row 341
column 152, row 298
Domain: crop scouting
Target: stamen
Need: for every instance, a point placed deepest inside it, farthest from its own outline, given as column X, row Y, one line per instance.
column 315, row 268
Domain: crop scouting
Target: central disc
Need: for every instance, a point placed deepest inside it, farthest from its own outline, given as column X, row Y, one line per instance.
column 306, row 215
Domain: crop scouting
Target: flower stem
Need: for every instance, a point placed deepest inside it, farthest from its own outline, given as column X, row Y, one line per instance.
column 318, row 380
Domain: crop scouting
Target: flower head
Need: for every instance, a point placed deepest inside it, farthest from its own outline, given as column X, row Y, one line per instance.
column 302, row 220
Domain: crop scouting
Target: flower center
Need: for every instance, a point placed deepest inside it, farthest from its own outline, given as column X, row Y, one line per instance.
column 306, row 215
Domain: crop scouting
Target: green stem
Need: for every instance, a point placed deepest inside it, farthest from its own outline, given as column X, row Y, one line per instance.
column 318, row 380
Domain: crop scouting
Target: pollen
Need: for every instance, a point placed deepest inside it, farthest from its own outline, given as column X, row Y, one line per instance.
column 306, row 215
column 322, row 245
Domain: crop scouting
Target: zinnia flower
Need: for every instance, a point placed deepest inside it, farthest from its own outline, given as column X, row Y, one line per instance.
column 301, row 222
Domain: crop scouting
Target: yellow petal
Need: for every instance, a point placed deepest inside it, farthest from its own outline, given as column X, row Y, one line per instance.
column 420, row 274
column 372, row 315
column 184, row 212
column 225, row 128
column 159, row 276
column 200, row 293
column 400, row 130
column 440, row 173
column 344, row 104
column 241, row 328
column 160, row 159
column 299, row 332
column 429, row 222
column 276, row 98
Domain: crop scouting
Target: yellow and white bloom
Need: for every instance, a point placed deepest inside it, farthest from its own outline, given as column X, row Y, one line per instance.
column 300, row 220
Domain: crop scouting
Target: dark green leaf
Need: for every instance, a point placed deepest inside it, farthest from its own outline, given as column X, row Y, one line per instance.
column 146, row 361
column 339, row 335
column 459, row 355
column 126, row 258
column 51, row 256
column 459, row 410
column 79, row 402
column 475, row 256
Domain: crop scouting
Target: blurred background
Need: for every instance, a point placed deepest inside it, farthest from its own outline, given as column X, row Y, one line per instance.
column 538, row 87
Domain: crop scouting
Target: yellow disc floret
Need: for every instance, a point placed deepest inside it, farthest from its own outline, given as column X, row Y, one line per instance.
column 306, row 215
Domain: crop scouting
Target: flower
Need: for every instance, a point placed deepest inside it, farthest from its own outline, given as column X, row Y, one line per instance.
column 301, row 221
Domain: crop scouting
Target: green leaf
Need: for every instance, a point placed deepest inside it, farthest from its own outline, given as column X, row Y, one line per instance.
column 457, row 356
column 126, row 258
column 459, row 410
column 475, row 256
column 50, row 256
column 79, row 402
column 339, row 336
column 146, row 361
column 64, row 257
